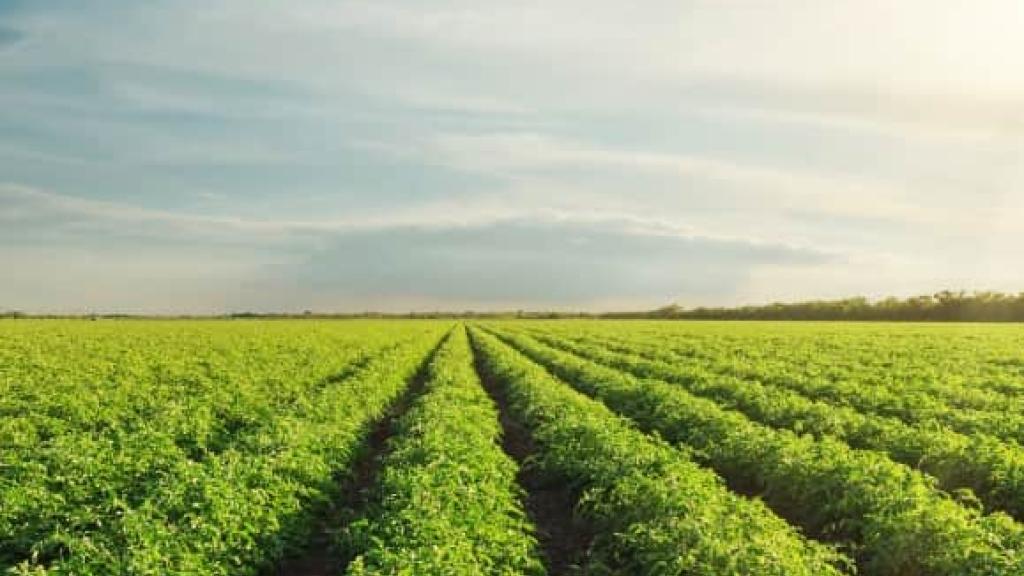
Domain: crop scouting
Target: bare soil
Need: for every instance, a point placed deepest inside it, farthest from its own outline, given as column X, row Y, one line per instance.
column 550, row 502
column 355, row 490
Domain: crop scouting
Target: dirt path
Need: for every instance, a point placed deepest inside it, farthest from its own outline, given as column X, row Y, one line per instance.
column 321, row 557
column 549, row 502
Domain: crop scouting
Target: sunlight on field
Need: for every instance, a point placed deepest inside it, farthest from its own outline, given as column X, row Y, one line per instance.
column 440, row 447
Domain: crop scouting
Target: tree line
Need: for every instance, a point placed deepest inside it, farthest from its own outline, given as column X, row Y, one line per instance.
column 945, row 306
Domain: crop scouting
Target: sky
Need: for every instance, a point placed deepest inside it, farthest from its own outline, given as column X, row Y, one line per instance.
column 232, row 155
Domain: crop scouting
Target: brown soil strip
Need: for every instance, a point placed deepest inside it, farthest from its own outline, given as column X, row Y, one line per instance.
column 355, row 489
column 550, row 503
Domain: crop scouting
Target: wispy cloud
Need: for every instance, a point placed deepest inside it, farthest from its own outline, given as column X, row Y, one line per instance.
column 823, row 195
column 24, row 205
column 515, row 259
column 807, row 149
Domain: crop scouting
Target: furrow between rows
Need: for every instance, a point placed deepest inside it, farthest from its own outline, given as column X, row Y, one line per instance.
column 992, row 469
column 893, row 517
column 651, row 508
column 444, row 498
column 914, row 407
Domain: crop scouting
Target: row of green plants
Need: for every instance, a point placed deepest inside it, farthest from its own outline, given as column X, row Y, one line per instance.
column 446, row 501
column 892, row 518
column 89, row 429
column 654, row 510
column 215, row 467
column 991, row 468
column 972, row 367
column 92, row 420
column 1001, row 417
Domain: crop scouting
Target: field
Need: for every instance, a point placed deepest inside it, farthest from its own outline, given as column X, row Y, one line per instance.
column 306, row 447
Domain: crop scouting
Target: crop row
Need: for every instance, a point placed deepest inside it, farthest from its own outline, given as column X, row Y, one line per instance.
column 655, row 511
column 892, row 517
column 955, row 369
column 128, row 496
column 992, row 469
column 911, row 406
column 85, row 436
column 447, row 501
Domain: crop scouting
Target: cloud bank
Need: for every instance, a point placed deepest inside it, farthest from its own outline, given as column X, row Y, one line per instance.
column 225, row 155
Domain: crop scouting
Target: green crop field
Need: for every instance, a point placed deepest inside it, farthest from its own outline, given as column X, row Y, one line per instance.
column 423, row 447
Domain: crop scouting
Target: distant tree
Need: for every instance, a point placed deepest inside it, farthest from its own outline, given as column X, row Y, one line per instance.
column 944, row 306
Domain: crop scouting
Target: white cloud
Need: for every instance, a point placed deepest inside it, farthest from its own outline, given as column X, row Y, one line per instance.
column 129, row 259
column 23, row 205
column 754, row 187
column 885, row 135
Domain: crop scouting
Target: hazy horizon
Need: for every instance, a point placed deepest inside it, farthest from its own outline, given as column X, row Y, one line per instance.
column 187, row 157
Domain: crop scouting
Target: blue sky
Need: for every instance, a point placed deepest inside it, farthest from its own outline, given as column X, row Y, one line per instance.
column 236, row 155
